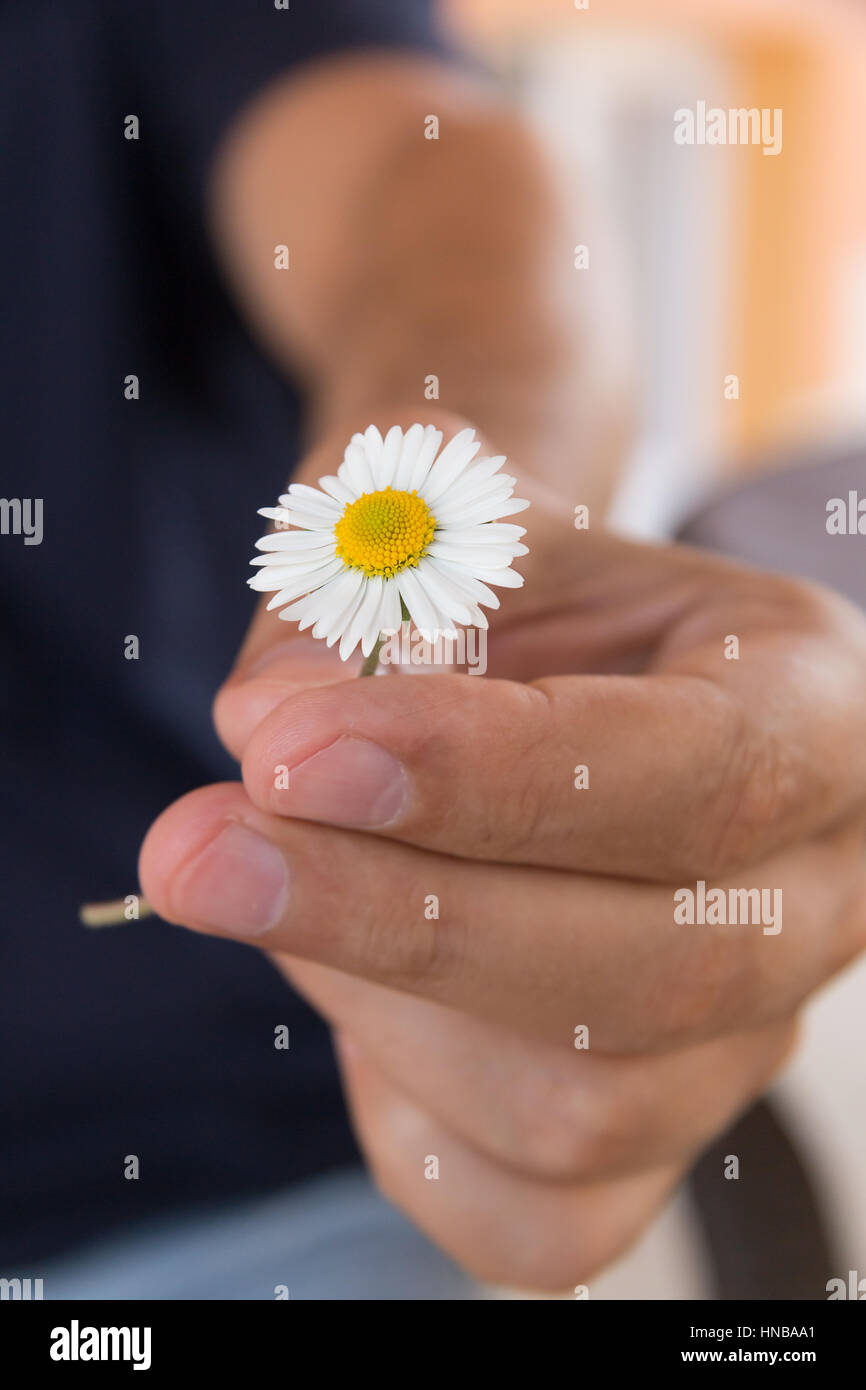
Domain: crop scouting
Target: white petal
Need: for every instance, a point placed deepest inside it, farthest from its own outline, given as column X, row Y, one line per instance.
column 472, row 556
column 511, row 508
column 354, row 471
column 294, row 559
column 274, row 514
column 457, row 455
column 283, row 576
column 388, row 617
column 325, row 543
column 482, row 471
column 495, row 533
column 310, row 608
column 374, row 448
column 452, row 508
column 341, row 622
column 491, row 511
column 377, row 622
column 296, row 540
column 311, row 521
column 295, row 582
column 466, row 492
column 467, row 583
column 390, row 457
column 421, row 606
column 391, row 615
column 412, row 441
column 282, row 597
column 324, row 516
column 311, row 498
column 479, row 619
column 333, row 629
column 363, row 618
column 336, row 598
column 293, row 588
column 426, row 455
column 505, row 579
column 337, row 489
column 444, row 593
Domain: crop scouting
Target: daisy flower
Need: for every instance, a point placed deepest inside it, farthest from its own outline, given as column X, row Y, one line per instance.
column 403, row 530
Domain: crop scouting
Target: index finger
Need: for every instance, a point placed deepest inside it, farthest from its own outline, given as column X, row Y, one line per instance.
column 697, row 767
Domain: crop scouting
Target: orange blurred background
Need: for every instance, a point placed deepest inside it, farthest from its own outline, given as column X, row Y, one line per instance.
column 740, row 263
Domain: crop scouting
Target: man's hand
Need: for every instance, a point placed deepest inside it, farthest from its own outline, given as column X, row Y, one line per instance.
column 456, row 796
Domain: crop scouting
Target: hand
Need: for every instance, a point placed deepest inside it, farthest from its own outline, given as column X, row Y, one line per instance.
column 556, row 909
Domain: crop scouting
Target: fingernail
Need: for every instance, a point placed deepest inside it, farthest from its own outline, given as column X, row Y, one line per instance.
column 238, row 884
column 351, row 782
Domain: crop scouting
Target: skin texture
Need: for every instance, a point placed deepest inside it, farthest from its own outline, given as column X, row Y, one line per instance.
column 456, row 1034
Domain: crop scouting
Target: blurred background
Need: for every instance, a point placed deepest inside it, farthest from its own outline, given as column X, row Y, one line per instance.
column 737, row 263
column 740, row 263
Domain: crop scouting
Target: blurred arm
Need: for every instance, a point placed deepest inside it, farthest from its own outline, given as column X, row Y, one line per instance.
column 411, row 256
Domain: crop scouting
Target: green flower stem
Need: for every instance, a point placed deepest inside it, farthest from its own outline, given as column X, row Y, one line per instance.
column 372, row 661
column 111, row 914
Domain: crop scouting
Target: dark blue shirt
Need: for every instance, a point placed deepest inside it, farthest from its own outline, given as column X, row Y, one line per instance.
column 141, row 1039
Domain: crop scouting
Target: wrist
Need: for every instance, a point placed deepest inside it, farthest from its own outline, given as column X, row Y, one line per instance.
column 537, row 423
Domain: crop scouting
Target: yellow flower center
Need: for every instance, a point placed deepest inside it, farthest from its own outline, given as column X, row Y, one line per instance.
column 383, row 532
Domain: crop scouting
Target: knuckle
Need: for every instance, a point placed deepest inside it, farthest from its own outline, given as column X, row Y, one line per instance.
column 511, row 825
column 826, row 952
column 549, row 1142
column 705, row 992
column 799, row 605
column 815, row 608
column 404, row 947
column 569, row 1131
column 380, row 931
column 583, row 1231
column 849, row 939
column 517, row 835
column 751, row 806
column 526, row 818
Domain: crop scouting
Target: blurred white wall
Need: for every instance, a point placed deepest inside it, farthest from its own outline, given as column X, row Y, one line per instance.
column 604, row 107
